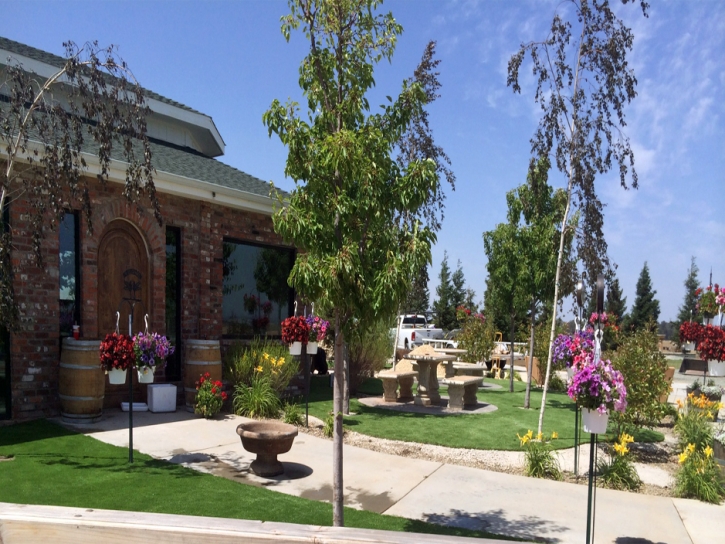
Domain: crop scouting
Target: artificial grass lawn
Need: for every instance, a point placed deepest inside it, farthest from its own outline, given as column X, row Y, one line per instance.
column 54, row 466
column 491, row 431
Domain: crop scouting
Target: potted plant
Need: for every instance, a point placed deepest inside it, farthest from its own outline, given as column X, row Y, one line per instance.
column 295, row 332
column 116, row 357
column 571, row 351
column 711, row 346
column 690, row 334
column 318, row 330
column 209, row 396
column 598, row 388
column 707, row 303
column 150, row 350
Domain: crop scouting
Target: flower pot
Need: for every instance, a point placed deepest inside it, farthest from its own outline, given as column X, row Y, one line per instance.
column 689, row 346
column 716, row 368
column 570, row 371
column 146, row 374
column 295, row 348
column 311, row 348
column 594, row 422
column 116, row 376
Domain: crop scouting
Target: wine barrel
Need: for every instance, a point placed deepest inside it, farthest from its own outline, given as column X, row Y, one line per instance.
column 202, row 356
column 81, row 381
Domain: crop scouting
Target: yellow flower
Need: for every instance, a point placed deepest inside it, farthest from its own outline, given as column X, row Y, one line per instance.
column 259, row 369
column 683, row 457
column 539, row 436
column 680, row 404
column 690, row 448
column 265, row 356
column 626, row 438
column 621, row 448
column 524, row 439
column 554, row 435
column 708, row 451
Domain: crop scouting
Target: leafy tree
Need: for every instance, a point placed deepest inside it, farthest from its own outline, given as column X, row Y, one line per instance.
column 688, row 310
column 355, row 213
column 583, row 82
column 643, row 367
column 443, row 305
column 47, row 126
column 418, row 299
column 646, row 307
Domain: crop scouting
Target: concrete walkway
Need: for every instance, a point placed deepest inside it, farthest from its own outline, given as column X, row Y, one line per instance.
column 446, row 494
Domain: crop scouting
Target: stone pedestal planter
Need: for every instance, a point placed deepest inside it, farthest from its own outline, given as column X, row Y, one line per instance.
column 267, row 439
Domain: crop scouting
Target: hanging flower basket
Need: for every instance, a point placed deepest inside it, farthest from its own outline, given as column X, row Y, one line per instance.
column 146, row 374
column 117, row 376
column 295, row 330
column 594, row 421
column 295, row 348
column 116, row 353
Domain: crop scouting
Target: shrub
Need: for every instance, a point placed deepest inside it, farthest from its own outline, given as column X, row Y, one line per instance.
column 209, row 396
column 328, row 428
column 540, row 461
column 270, row 359
column 692, row 426
column 556, row 383
column 618, row 472
column 643, row 368
column 367, row 352
column 699, row 475
column 291, row 414
column 258, row 399
column 476, row 336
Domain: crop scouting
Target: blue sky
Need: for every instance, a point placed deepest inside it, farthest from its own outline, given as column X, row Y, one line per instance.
column 229, row 60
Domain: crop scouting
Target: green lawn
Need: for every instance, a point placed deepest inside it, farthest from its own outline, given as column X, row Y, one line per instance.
column 55, row 466
column 492, row 431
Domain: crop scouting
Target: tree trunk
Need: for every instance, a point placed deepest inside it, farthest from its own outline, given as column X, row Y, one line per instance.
column 338, row 394
column 346, row 388
column 530, row 367
column 511, row 367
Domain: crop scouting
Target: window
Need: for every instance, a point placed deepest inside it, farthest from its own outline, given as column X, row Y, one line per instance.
column 256, row 297
column 173, row 300
column 68, row 254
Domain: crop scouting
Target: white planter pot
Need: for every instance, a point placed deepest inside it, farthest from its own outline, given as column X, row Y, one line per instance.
column 295, row 348
column 570, row 371
column 688, row 346
column 716, row 368
column 116, row 376
column 146, row 374
column 594, row 422
column 311, row 348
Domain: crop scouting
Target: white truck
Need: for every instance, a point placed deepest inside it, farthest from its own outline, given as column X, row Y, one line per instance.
column 411, row 330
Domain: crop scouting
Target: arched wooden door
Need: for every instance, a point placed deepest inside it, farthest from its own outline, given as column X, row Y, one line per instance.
column 123, row 278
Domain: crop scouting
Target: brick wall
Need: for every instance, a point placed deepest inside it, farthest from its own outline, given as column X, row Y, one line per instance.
column 35, row 347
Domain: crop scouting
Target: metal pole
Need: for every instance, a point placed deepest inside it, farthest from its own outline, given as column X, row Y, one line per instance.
column 590, row 496
column 306, row 363
column 130, row 395
column 576, row 441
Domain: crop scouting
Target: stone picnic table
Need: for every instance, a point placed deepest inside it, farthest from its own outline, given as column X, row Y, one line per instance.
column 427, row 360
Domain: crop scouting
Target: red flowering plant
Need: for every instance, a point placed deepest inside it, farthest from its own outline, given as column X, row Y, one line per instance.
column 711, row 344
column 690, row 332
column 117, row 352
column 209, row 396
column 707, row 300
column 295, row 329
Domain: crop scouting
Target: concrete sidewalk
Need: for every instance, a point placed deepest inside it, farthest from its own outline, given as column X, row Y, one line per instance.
column 446, row 494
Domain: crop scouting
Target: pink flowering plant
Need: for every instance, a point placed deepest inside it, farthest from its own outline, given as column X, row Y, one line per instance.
column 151, row 349
column 318, row 327
column 598, row 386
column 571, row 351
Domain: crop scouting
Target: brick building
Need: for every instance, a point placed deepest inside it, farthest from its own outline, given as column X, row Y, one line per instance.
column 215, row 251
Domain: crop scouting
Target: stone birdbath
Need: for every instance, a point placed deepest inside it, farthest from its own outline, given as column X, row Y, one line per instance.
column 267, row 439
column 427, row 360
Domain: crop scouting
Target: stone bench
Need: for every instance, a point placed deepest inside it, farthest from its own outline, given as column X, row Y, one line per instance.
column 391, row 381
column 462, row 391
column 467, row 369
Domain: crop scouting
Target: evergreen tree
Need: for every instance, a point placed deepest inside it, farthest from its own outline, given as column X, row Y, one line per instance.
column 445, row 312
column 688, row 310
column 458, row 292
column 418, row 298
column 646, row 306
column 615, row 304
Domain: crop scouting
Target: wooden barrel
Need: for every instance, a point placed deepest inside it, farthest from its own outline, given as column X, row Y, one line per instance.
column 81, row 381
column 202, row 356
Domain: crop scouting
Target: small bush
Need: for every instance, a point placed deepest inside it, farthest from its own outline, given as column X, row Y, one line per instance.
column 368, row 351
column 699, row 475
column 257, row 399
column 476, row 337
column 540, row 461
column 269, row 359
column 618, row 472
column 692, row 426
column 328, row 429
column 556, row 383
column 209, row 396
column 291, row 414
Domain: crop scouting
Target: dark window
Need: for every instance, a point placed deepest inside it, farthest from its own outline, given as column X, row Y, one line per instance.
column 68, row 254
column 256, row 297
column 173, row 300
column 4, row 349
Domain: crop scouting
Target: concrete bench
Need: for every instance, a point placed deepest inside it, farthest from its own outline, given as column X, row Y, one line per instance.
column 462, row 391
column 467, row 369
column 391, row 381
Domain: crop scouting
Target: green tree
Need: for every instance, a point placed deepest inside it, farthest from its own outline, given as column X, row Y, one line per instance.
column 355, row 213
column 583, row 83
column 443, row 304
column 418, row 299
column 46, row 125
column 688, row 310
column 458, row 284
column 646, row 307
column 616, row 304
